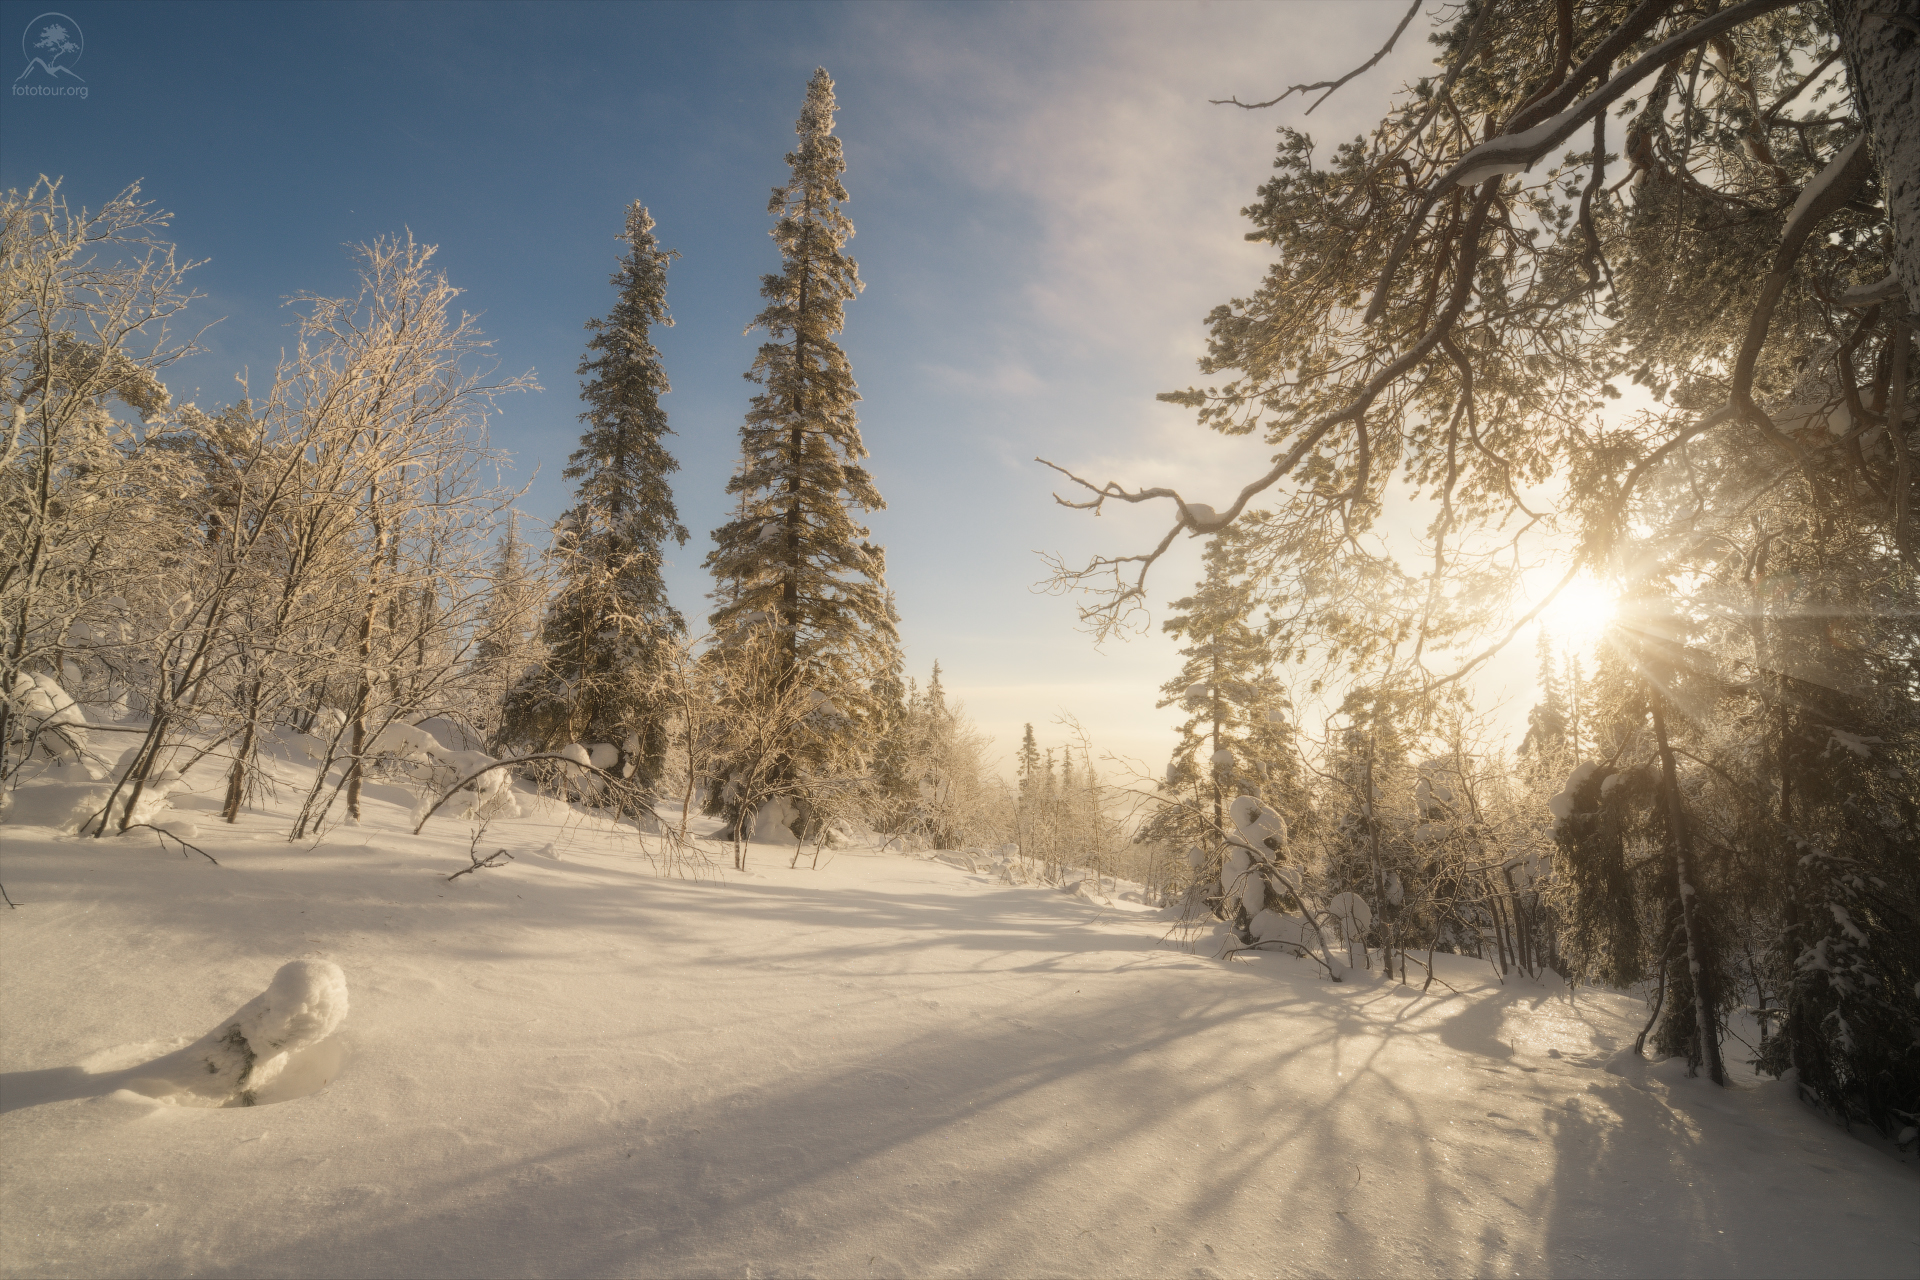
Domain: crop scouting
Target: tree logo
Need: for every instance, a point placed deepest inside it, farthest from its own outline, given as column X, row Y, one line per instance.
column 52, row 43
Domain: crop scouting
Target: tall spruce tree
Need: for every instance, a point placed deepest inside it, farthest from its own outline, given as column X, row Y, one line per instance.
column 794, row 557
column 610, row 627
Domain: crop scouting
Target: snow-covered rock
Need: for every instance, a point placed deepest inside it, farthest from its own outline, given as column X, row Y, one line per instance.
column 302, row 1006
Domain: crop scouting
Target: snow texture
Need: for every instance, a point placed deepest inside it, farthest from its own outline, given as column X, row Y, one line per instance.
column 891, row 1066
column 1817, row 188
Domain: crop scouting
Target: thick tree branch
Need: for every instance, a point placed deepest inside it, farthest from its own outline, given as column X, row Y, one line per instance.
column 1833, row 187
column 1204, row 519
column 1524, row 143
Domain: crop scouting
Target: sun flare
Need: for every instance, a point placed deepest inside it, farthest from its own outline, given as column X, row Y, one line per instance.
column 1580, row 613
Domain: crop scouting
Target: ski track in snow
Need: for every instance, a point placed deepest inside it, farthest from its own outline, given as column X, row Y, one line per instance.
column 888, row 1066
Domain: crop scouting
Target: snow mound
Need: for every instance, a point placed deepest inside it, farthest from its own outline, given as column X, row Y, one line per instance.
column 1279, row 927
column 63, row 806
column 773, row 822
column 67, row 803
column 1352, row 913
column 1257, row 824
column 50, row 713
column 239, row 1060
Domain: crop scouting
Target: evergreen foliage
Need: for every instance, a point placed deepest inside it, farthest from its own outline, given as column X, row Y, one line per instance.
column 794, row 558
column 610, row 628
column 1547, row 725
column 1236, row 738
column 1719, row 207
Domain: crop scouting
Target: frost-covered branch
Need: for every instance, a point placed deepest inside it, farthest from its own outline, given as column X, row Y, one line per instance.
column 1525, row 143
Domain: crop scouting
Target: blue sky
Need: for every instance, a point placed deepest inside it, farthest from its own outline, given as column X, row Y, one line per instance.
column 1046, row 207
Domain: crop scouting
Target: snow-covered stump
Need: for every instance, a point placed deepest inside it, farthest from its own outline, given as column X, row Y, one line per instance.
column 248, row 1051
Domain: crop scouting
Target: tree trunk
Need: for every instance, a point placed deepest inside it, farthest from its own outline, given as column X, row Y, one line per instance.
column 363, row 694
column 1882, row 49
column 1680, row 843
column 237, row 782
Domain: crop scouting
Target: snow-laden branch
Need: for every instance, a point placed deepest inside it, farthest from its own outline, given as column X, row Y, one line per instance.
column 1833, row 187
column 1519, row 149
column 1862, row 296
column 457, row 787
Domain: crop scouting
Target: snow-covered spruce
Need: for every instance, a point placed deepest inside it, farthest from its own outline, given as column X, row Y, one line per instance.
column 610, row 628
column 794, row 561
column 1234, row 737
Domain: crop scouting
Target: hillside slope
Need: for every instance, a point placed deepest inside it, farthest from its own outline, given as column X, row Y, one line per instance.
column 888, row 1066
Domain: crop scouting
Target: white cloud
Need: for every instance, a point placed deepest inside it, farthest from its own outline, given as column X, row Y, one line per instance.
column 1098, row 194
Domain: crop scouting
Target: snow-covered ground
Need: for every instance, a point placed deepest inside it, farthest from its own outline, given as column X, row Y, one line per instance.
column 890, row 1065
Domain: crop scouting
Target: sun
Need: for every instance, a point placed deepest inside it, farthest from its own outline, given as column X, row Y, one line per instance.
column 1579, row 613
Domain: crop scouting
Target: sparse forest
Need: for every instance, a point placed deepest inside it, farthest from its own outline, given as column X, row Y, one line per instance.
column 1618, row 304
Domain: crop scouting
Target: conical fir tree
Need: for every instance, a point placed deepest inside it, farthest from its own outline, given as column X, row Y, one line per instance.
column 1235, row 739
column 794, row 557
column 610, row 627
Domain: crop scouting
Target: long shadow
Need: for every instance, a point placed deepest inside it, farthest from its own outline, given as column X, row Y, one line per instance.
column 953, row 1153
column 53, row 1084
column 1250, row 1119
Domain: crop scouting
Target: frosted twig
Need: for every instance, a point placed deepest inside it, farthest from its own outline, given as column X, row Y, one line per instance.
column 491, row 860
column 168, row 835
column 1329, row 85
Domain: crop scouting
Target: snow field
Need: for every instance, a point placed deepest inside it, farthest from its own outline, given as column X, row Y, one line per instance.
column 893, row 1065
